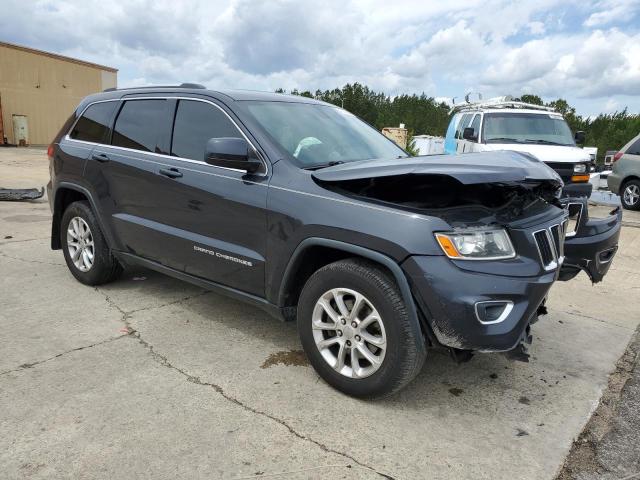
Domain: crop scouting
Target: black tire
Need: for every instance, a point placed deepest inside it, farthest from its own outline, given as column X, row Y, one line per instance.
column 405, row 353
column 105, row 267
column 630, row 183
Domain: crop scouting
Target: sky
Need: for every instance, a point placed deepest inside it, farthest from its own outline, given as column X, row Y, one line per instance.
column 587, row 52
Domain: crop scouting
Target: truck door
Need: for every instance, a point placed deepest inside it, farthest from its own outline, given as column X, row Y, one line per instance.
column 472, row 145
column 464, row 123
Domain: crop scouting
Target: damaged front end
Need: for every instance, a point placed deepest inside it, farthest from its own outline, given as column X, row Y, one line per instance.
column 483, row 300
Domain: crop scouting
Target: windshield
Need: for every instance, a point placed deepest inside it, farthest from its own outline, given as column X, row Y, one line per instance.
column 541, row 128
column 318, row 135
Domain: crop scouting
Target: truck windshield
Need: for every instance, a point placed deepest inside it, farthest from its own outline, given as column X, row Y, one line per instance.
column 536, row 128
column 318, row 135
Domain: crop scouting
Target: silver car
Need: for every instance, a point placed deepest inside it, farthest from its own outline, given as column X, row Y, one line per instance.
column 625, row 178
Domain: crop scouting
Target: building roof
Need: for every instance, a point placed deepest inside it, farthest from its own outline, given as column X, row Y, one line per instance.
column 57, row 57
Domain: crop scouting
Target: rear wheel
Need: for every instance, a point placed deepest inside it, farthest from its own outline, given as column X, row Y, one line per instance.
column 355, row 329
column 85, row 250
column 630, row 195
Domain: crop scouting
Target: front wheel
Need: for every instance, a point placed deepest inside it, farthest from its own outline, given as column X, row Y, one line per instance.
column 355, row 329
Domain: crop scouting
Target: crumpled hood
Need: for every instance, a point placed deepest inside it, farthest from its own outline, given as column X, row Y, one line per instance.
column 504, row 167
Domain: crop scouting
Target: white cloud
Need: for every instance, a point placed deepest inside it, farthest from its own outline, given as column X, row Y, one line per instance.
column 440, row 48
column 610, row 11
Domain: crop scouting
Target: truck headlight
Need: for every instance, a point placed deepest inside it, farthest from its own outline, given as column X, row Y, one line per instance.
column 476, row 244
column 579, row 168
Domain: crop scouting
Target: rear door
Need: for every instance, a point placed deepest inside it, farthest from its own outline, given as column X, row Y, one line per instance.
column 124, row 171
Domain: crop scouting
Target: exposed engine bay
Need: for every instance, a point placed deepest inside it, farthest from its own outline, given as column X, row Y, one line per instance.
column 450, row 199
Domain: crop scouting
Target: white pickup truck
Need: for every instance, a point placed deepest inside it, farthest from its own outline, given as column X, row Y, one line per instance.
column 505, row 124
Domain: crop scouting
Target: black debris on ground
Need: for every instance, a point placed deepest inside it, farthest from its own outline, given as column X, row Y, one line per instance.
column 18, row 194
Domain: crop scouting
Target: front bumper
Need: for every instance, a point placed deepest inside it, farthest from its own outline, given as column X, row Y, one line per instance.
column 593, row 245
column 448, row 298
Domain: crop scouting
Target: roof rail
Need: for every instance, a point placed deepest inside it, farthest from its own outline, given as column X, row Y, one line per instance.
column 182, row 85
column 499, row 102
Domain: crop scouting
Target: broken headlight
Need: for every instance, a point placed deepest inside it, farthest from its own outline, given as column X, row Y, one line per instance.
column 476, row 244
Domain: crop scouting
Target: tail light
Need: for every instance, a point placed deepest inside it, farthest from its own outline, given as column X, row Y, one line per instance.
column 617, row 156
column 50, row 151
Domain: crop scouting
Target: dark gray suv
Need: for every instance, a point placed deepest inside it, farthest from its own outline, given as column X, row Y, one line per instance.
column 302, row 209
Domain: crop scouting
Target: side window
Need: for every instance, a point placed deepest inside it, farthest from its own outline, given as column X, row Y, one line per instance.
column 195, row 124
column 475, row 124
column 93, row 125
column 139, row 124
column 634, row 149
column 464, row 123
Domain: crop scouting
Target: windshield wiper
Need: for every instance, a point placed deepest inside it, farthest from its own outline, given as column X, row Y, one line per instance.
column 545, row 142
column 324, row 165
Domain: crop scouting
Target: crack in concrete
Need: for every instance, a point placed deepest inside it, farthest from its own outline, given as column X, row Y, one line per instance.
column 25, row 366
column 23, row 240
column 579, row 314
column 164, row 361
column 31, row 261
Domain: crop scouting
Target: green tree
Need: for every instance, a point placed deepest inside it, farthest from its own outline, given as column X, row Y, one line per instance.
column 533, row 99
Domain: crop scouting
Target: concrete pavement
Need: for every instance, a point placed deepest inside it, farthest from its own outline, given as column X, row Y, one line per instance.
column 154, row 378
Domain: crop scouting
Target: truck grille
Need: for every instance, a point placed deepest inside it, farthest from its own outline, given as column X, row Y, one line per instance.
column 550, row 243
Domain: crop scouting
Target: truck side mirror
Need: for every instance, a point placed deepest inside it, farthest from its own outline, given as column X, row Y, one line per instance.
column 579, row 137
column 469, row 133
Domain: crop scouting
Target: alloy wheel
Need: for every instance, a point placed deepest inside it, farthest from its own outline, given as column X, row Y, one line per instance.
column 631, row 194
column 80, row 244
column 349, row 333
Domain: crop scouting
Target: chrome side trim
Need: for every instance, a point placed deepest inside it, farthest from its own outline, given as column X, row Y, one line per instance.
column 126, row 99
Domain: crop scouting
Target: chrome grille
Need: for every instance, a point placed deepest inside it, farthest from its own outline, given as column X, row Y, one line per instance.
column 550, row 243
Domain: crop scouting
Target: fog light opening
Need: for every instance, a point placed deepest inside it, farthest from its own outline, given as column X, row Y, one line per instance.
column 494, row 311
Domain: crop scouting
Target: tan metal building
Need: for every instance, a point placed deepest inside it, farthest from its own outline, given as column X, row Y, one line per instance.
column 39, row 90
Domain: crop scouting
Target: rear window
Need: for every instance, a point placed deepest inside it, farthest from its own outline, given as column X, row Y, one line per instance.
column 93, row 125
column 138, row 124
column 196, row 123
column 634, row 149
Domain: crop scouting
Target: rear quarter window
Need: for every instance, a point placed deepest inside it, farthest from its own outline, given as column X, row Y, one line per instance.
column 93, row 124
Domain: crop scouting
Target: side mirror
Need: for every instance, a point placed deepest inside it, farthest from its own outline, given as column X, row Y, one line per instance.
column 469, row 133
column 232, row 153
column 579, row 137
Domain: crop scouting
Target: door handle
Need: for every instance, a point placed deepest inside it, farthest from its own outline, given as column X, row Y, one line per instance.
column 171, row 172
column 100, row 157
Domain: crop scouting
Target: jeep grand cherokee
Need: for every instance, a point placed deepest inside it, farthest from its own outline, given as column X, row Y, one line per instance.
column 302, row 209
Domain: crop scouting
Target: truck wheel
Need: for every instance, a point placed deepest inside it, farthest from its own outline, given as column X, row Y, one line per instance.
column 630, row 195
column 355, row 329
column 85, row 250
